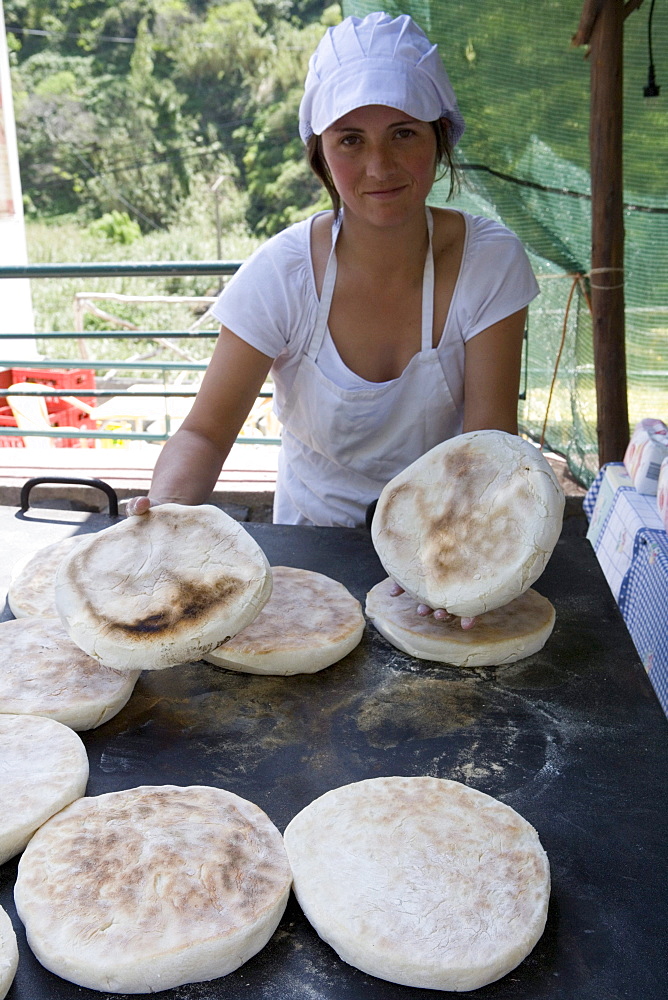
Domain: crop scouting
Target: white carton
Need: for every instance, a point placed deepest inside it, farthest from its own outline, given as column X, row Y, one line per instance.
column 662, row 493
column 645, row 452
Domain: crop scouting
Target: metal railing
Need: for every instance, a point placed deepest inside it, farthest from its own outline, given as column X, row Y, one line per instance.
column 165, row 392
column 124, row 269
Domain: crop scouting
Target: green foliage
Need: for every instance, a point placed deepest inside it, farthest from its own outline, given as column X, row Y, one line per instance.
column 53, row 123
column 116, row 226
column 193, row 237
column 281, row 187
column 278, row 179
column 131, row 106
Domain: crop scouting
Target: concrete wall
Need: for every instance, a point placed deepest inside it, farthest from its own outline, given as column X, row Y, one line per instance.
column 16, row 312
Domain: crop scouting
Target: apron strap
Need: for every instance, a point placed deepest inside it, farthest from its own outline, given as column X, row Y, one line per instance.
column 326, row 296
column 329, row 282
column 428, row 289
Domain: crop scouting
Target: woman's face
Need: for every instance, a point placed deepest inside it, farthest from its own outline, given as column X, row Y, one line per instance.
column 382, row 162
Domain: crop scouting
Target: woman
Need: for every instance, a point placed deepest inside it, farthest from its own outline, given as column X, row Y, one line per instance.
column 388, row 327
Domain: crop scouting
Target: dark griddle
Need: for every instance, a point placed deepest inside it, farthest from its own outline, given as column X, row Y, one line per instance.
column 572, row 737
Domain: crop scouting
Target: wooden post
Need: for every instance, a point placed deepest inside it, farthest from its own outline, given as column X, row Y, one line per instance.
column 607, row 232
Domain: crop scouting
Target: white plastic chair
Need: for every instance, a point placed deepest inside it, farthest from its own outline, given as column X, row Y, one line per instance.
column 31, row 413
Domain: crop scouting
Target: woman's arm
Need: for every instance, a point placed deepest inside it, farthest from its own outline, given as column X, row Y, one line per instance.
column 190, row 462
column 492, row 376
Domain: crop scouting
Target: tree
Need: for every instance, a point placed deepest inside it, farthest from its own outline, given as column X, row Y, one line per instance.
column 124, row 106
column 281, row 187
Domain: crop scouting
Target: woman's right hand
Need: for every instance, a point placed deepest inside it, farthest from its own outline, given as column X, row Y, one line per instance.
column 138, row 505
column 440, row 614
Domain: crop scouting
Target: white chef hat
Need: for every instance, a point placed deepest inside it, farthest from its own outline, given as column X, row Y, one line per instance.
column 377, row 60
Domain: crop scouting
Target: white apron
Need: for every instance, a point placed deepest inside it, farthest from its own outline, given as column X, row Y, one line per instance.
column 341, row 446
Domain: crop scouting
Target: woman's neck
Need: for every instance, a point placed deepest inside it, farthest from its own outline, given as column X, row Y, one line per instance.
column 383, row 251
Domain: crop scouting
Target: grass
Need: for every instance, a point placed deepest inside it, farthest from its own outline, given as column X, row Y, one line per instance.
column 70, row 240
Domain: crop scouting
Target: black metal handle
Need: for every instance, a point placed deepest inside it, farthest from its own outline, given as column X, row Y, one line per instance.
column 96, row 483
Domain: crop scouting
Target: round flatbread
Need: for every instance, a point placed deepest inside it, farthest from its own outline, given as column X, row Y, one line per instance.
column 162, row 588
column 309, row 622
column 9, row 954
column 471, row 524
column 44, row 767
column 32, row 588
column 504, row 635
column 45, row 673
column 146, row 889
column 420, row 881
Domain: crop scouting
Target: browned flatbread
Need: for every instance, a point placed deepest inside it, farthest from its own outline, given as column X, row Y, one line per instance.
column 309, row 622
column 471, row 524
column 504, row 635
column 162, row 588
column 149, row 888
column 420, row 881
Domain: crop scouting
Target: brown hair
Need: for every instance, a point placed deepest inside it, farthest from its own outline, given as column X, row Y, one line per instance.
column 444, row 158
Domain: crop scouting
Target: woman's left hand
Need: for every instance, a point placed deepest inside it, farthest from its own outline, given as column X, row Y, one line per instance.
column 440, row 614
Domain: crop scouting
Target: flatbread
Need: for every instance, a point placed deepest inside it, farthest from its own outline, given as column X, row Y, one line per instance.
column 146, row 889
column 504, row 635
column 9, row 954
column 471, row 524
column 45, row 673
column 44, row 767
column 162, row 588
column 309, row 622
column 32, row 588
column 420, row 881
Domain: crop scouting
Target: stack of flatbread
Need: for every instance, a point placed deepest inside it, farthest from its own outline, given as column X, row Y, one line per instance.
column 146, row 889
column 9, row 954
column 309, row 622
column 503, row 635
column 162, row 588
column 468, row 527
column 420, row 881
column 44, row 767
column 45, row 673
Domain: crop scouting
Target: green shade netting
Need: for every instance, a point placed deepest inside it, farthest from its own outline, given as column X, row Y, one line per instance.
column 524, row 92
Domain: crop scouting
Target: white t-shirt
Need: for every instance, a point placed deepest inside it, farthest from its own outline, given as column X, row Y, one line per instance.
column 271, row 302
